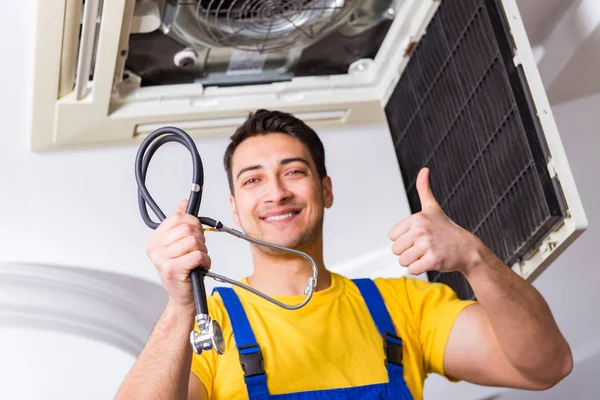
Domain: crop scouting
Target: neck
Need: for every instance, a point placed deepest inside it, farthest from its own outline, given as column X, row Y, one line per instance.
column 287, row 275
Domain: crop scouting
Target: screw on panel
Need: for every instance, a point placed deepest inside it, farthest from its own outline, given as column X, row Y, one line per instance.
column 410, row 49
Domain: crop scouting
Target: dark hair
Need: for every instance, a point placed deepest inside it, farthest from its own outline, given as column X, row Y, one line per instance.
column 263, row 122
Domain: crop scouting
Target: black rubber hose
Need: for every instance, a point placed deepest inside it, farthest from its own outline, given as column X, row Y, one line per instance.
column 147, row 149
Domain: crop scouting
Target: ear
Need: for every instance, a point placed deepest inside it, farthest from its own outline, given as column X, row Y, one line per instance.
column 327, row 192
column 234, row 212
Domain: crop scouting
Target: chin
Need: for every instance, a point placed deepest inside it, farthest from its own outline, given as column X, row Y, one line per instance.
column 284, row 242
column 295, row 239
column 297, row 243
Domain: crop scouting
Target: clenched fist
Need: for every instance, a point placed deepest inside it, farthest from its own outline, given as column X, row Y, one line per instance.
column 429, row 240
column 176, row 247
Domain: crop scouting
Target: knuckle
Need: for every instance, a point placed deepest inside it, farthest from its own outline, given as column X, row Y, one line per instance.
column 187, row 230
column 177, row 217
column 153, row 253
column 428, row 241
column 167, row 265
column 196, row 243
column 168, row 270
column 195, row 222
column 190, row 241
column 428, row 266
column 182, row 246
column 420, row 231
column 203, row 259
column 199, row 240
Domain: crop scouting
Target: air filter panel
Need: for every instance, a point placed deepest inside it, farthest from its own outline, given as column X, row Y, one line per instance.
column 463, row 109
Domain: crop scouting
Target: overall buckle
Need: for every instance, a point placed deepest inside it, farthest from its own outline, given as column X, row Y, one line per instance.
column 392, row 346
column 252, row 362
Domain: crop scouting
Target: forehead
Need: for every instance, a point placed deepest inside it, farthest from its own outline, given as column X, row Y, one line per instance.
column 268, row 149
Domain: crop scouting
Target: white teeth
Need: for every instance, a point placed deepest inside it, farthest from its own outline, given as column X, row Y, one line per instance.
column 279, row 217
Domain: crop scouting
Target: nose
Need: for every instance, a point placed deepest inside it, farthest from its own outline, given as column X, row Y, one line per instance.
column 276, row 192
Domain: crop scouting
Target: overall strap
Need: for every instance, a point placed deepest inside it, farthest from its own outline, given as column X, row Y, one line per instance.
column 251, row 357
column 379, row 312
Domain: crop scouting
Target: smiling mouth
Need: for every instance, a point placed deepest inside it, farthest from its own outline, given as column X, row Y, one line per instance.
column 281, row 217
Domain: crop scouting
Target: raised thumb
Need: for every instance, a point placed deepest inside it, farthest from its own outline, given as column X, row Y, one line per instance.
column 428, row 201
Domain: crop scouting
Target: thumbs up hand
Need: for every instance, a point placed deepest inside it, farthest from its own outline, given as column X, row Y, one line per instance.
column 429, row 240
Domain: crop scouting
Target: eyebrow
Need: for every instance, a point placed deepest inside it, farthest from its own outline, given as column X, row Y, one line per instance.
column 282, row 162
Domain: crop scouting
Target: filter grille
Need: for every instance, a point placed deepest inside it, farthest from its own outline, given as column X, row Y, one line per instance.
column 463, row 109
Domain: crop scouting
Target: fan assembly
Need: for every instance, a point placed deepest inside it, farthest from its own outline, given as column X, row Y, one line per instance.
column 235, row 42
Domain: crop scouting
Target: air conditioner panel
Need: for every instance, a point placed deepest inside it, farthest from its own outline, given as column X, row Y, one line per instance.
column 108, row 114
column 466, row 107
column 118, row 108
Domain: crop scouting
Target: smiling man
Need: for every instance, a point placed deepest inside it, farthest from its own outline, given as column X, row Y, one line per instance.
column 362, row 339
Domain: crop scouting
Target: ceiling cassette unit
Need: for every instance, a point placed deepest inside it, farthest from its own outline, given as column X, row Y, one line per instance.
column 455, row 80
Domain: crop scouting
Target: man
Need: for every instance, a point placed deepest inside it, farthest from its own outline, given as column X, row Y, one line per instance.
column 334, row 346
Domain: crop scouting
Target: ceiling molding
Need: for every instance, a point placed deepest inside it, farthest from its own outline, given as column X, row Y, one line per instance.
column 118, row 310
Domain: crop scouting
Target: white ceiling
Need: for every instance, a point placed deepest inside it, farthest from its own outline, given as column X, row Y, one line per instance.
column 566, row 35
column 540, row 16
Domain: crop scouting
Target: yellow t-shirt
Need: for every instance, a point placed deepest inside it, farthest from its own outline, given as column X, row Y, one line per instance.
column 332, row 342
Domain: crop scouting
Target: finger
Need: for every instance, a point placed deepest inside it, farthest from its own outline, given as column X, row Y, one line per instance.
column 412, row 255
column 179, row 232
column 194, row 260
column 184, row 246
column 402, row 244
column 399, row 229
column 428, row 201
column 181, row 267
column 176, row 219
column 182, row 206
column 420, row 266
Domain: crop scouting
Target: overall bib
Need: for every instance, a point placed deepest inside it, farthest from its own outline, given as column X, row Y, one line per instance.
column 252, row 360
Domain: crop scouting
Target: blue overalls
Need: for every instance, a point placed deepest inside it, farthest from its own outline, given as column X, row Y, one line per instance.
column 252, row 360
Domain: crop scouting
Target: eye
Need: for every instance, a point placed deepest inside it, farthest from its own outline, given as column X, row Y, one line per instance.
column 296, row 172
column 249, row 181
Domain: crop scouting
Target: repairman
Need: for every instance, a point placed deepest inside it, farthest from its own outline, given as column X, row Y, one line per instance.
column 355, row 339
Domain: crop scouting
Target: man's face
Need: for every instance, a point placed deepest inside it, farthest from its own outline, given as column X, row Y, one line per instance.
column 278, row 195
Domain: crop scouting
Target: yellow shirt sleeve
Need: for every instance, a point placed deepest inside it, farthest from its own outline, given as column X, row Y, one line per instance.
column 203, row 368
column 430, row 309
column 435, row 307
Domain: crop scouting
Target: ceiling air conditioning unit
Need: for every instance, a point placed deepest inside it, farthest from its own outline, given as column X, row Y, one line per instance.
column 455, row 79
